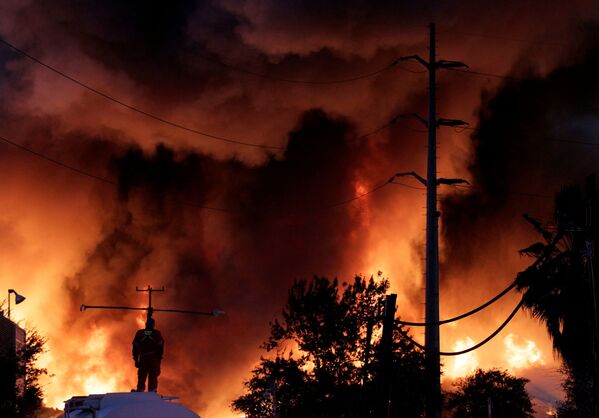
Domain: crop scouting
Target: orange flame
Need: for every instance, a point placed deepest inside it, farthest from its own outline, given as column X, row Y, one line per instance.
column 524, row 355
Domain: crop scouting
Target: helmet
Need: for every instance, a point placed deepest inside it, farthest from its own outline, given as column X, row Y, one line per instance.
column 150, row 323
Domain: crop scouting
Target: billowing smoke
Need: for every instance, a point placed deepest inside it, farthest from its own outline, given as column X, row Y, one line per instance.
column 534, row 136
column 216, row 234
column 222, row 225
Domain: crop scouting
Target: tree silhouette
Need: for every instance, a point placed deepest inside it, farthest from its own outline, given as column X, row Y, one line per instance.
column 323, row 365
column 495, row 389
column 559, row 290
column 27, row 400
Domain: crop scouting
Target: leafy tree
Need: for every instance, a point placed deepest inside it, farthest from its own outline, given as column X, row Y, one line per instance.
column 323, row 364
column 577, row 387
column 559, row 290
column 27, row 400
column 506, row 393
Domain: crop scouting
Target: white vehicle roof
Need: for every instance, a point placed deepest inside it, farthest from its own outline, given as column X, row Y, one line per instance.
column 125, row 405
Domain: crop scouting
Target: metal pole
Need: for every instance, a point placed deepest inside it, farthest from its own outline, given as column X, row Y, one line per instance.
column 433, row 367
column 9, row 305
column 386, row 355
column 596, row 333
column 149, row 289
column 431, row 337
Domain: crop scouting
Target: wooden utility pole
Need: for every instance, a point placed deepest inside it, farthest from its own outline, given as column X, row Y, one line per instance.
column 386, row 356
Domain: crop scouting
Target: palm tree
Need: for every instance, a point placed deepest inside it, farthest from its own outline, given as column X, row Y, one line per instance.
column 559, row 290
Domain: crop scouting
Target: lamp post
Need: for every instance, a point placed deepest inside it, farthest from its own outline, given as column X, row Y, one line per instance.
column 18, row 299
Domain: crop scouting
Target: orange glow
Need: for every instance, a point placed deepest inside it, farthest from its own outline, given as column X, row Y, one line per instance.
column 525, row 354
column 52, row 219
column 140, row 320
column 93, row 373
column 465, row 364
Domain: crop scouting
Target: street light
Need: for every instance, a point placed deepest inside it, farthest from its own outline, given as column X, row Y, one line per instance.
column 18, row 299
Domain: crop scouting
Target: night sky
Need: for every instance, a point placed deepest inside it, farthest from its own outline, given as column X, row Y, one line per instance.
column 223, row 149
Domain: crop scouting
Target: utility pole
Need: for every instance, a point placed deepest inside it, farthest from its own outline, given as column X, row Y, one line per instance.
column 590, row 228
column 386, row 359
column 150, row 309
column 149, row 289
column 431, row 336
column 432, row 357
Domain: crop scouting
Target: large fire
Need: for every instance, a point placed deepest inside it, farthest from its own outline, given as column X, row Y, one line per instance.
column 522, row 355
column 466, row 363
column 222, row 225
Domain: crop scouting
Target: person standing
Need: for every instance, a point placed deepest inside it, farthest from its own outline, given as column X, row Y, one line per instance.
column 148, row 349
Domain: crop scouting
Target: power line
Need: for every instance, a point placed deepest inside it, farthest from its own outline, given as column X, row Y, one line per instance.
column 184, row 127
column 461, row 129
column 476, row 346
column 395, row 121
column 526, row 194
column 89, row 174
column 376, row 131
column 504, row 38
column 59, row 163
column 113, row 183
column 268, row 76
column 410, row 71
column 480, row 73
column 136, row 109
column 409, row 186
column 464, row 315
column 546, row 253
column 360, row 196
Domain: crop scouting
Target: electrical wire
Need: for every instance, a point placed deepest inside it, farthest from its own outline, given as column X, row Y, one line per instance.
column 92, row 175
column 480, row 73
column 345, row 202
column 394, row 121
column 546, row 252
column 178, row 125
column 503, row 38
column 136, row 109
column 376, row 131
column 409, row 186
column 191, row 204
column 58, row 162
column 462, row 316
column 476, row 346
column 304, row 81
column 525, row 194
column 411, row 71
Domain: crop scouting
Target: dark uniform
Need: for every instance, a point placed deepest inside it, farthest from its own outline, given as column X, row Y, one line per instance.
column 148, row 348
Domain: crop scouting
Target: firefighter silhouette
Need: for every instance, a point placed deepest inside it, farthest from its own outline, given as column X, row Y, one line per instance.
column 148, row 348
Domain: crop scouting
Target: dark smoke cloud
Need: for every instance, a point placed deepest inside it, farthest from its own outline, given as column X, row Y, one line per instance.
column 151, row 229
column 278, row 231
column 521, row 152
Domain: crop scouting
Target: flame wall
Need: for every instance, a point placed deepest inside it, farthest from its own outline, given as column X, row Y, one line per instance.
column 68, row 239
